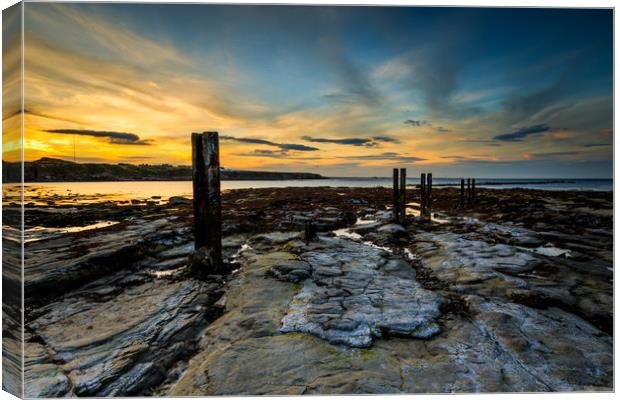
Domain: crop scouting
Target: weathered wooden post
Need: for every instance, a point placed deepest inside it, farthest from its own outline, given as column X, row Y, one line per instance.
column 309, row 231
column 473, row 190
column 422, row 194
column 207, row 203
column 395, row 197
column 402, row 200
column 462, row 198
column 429, row 194
column 468, row 191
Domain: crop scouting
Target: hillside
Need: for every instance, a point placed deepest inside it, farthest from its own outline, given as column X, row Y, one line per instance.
column 56, row 170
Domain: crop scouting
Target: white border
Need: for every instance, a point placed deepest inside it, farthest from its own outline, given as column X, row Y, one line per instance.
column 462, row 3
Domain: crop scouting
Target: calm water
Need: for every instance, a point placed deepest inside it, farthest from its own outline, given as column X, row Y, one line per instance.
column 65, row 192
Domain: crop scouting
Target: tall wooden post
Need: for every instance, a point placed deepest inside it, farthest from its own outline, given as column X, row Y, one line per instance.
column 429, row 194
column 207, row 200
column 462, row 198
column 422, row 195
column 403, row 196
column 468, row 191
column 199, row 181
column 395, row 197
column 473, row 190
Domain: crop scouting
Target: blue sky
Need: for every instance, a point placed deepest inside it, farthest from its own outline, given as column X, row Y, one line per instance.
column 484, row 92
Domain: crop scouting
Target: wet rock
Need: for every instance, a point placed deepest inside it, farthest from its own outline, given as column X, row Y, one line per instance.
column 561, row 350
column 204, row 261
column 494, row 347
column 179, row 201
column 60, row 263
column 473, row 266
column 394, row 230
column 352, row 298
column 121, row 346
column 286, row 266
column 44, row 378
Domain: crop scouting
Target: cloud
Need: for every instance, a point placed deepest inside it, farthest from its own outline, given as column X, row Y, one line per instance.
column 386, row 139
column 275, row 154
column 385, row 156
column 597, row 145
column 420, row 122
column 522, row 133
column 555, row 154
column 365, row 142
column 354, row 82
column 348, row 141
column 487, row 142
column 416, row 122
column 113, row 137
column 283, row 146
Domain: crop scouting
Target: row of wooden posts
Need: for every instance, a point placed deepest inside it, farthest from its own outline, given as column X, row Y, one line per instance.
column 399, row 201
column 208, row 205
column 471, row 192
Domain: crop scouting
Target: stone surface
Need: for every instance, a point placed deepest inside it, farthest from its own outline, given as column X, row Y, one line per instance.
column 120, row 346
column 71, row 259
column 485, row 345
column 358, row 292
column 516, row 312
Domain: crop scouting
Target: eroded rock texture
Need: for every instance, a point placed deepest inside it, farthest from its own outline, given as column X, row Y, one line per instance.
column 487, row 341
column 120, row 346
column 516, row 299
column 358, row 292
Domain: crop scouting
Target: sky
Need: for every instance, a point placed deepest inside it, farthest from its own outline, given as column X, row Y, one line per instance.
column 341, row 91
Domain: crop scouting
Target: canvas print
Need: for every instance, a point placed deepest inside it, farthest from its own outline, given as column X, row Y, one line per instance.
column 206, row 200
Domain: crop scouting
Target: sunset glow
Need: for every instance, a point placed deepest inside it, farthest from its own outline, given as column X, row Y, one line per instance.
column 341, row 91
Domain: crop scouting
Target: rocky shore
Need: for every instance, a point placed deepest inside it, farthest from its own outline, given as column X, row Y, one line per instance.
column 512, row 294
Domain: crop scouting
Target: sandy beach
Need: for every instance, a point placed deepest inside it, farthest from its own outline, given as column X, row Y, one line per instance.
column 513, row 293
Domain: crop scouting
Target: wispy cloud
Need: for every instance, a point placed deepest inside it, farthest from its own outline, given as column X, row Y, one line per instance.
column 416, row 122
column 113, row 137
column 522, row 133
column 389, row 156
column 355, row 83
column 347, row 141
column 487, row 142
column 283, row 146
column 387, row 139
column 280, row 154
column 353, row 141
column 555, row 154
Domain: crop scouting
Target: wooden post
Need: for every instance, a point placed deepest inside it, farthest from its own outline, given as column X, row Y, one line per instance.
column 473, row 190
column 429, row 194
column 462, row 199
column 199, row 181
column 396, row 195
column 422, row 195
column 403, row 196
column 207, row 200
column 468, row 191
column 309, row 231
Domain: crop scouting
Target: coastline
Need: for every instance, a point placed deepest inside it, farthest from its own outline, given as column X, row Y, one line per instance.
column 540, row 260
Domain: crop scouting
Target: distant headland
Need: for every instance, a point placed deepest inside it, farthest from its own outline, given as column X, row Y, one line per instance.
column 56, row 170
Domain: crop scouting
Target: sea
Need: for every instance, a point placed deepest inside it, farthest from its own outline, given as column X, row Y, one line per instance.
column 127, row 190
